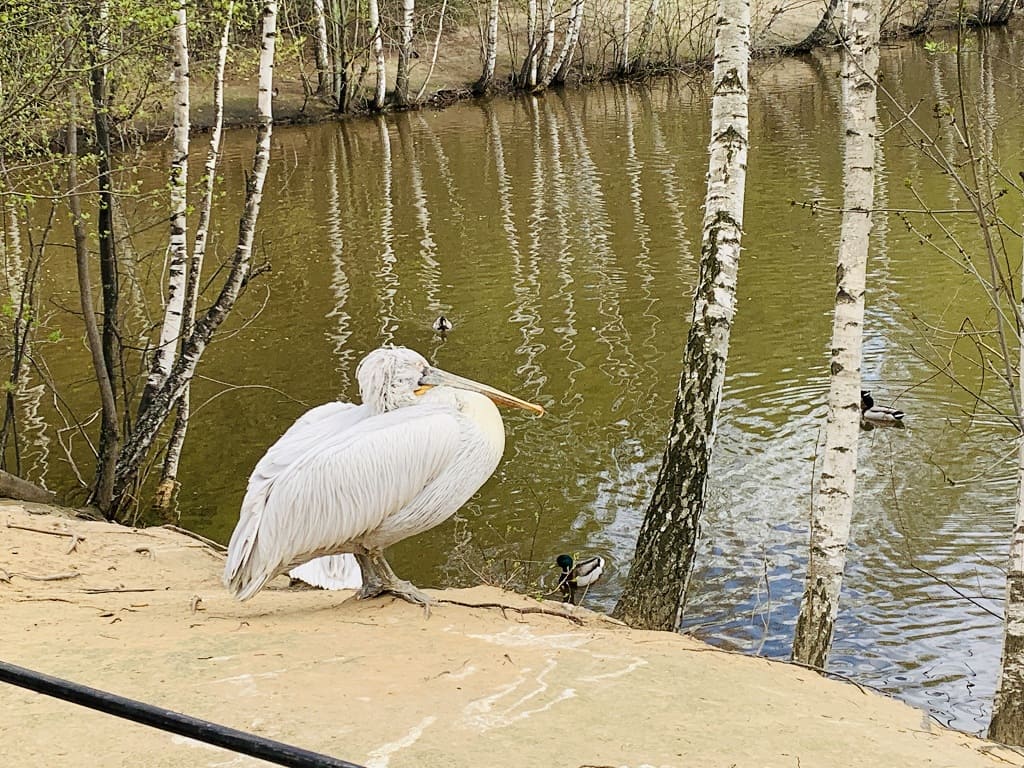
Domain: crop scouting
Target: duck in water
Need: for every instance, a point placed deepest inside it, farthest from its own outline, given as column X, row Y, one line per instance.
column 878, row 414
column 578, row 575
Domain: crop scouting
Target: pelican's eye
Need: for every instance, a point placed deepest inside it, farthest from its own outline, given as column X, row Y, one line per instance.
column 423, row 385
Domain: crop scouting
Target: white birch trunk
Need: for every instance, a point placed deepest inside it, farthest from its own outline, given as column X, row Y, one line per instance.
column 626, row 32
column 531, row 43
column 1007, row 725
column 168, row 481
column 323, row 59
column 656, row 586
column 404, row 54
column 486, row 80
column 178, row 248
column 338, row 57
column 833, row 504
column 572, row 35
column 543, row 65
column 433, row 56
column 150, row 420
column 377, row 42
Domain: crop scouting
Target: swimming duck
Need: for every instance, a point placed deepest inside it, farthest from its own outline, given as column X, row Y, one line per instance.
column 575, row 575
column 442, row 325
column 878, row 414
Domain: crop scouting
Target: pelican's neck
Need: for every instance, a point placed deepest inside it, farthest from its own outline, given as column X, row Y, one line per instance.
column 481, row 411
column 475, row 408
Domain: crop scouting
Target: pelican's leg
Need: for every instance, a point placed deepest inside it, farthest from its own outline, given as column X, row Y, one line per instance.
column 395, row 586
column 373, row 582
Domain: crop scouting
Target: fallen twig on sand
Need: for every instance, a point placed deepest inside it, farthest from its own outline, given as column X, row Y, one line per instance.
column 53, row 577
column 43, row 530
column 192, row 534
column 503, row 607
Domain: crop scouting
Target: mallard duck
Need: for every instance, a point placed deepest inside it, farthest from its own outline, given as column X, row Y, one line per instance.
column 878, row 414
column 442, row 325
column 576, row 575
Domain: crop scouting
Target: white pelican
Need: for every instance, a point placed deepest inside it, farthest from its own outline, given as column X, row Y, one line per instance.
column 584, row 573
column 347, row 478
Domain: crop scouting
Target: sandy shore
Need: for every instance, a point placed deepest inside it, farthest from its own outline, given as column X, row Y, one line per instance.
column 142, row 613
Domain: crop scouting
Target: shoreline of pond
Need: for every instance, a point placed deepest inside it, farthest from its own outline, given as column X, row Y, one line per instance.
column 142, row 613
column 294, row 105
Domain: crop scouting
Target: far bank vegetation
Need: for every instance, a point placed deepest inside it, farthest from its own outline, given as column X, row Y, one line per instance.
column 369, row 55
column 397, row 53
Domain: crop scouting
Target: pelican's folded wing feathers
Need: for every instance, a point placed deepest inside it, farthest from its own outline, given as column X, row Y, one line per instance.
column 342, row 488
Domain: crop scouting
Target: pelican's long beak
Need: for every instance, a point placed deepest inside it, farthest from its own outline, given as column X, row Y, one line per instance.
column 435, row 377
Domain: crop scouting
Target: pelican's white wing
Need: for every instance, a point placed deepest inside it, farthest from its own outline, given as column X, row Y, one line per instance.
column 345, row 487
column 314, row 426
column 331, row 572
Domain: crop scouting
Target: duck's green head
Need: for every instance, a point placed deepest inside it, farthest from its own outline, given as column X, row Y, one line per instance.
column 564, row 562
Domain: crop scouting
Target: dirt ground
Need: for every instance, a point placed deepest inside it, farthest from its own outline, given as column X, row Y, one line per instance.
column 142, row 613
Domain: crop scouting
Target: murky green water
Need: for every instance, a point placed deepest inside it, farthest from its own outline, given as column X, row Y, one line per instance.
column 560, row 235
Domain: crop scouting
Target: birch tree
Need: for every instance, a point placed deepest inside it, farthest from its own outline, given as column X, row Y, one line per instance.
column 168, row 479
column 320, row 48
column 402, row 95
column 528, row 73
column 139, row 441
column 548, row 44
column 178, row 246
column 1007, row 724
column 654, row 591
column 626, row 32
column 560, row 68
column 833, row 504
column 433, row 55
column 150, row 420
column 486, row 81
column 377, row 43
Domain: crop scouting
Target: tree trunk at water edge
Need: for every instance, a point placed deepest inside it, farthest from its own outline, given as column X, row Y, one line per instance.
column 178, row 183
column 656, row 586
column 380, row 88
column 138, row 444
column 110, row 428
column 486, row 81
column 646, row 33
column 833, row 504
column 320, row 47
column 404, row 54
column 168, row 479
column 1007, row 725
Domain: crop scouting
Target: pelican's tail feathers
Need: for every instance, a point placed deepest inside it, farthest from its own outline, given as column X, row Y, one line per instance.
column 244, row 574
column 330, row 572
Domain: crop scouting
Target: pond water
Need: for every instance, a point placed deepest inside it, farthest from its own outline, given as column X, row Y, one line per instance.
column 560, row 234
